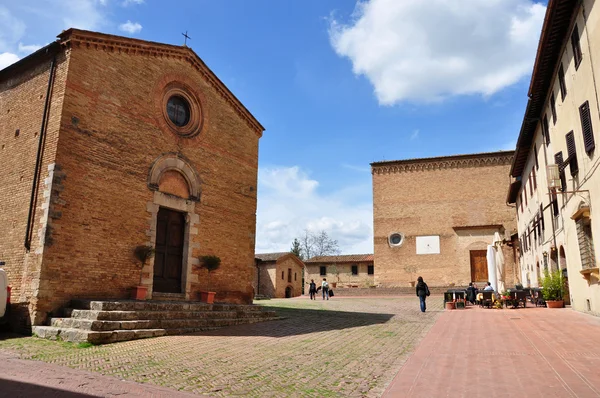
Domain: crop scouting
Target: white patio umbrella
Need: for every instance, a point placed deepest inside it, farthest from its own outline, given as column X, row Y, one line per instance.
column 491, row 263
column 499, row 260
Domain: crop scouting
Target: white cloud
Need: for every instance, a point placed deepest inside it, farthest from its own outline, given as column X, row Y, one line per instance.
column 289, row 202
column 7, row 59
column 130, row 27
column 130, row 2
column 28, row 48
column 81, row 14
column 423, row 51
column 414, row 135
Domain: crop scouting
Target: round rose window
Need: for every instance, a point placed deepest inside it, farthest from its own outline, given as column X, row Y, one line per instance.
column 178, row 110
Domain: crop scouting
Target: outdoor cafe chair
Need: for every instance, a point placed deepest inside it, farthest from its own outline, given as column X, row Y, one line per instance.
column 487, row 300
column 521, row 297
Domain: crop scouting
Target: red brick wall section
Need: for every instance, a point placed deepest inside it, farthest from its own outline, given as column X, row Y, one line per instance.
column 22, row 100
column 110, row 136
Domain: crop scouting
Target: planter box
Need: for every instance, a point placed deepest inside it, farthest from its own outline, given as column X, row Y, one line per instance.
column 207, row 297
column 139, row 293
column 450, row 305
column 555, row 303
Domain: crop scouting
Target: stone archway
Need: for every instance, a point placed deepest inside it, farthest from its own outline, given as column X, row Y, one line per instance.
column 177, row 188
column 289, row 292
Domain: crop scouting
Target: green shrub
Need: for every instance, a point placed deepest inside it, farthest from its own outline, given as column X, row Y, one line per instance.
column 552, row 285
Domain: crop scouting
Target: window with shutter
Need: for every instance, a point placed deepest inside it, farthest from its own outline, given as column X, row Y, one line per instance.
column 558, row 159
column 531, row 183
column 586, row 127
column 561, row 82
column 553, row 108
column 534, row 179
column 577, row 56
column 546, row 129
column 573, row 165
column 542, row 216
column 535, row 155
column 525, row 193
column 554, row 204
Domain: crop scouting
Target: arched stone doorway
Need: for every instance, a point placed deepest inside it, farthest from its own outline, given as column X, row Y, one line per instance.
column 563, row 264
column 289, row 292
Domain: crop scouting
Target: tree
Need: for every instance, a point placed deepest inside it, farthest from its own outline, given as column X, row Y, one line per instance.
column 313, row 244
column 296, row 248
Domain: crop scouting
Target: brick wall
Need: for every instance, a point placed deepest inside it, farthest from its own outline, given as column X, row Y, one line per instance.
column 344, row 278
column 112, row 130
column 440, row 197
column 22, row 101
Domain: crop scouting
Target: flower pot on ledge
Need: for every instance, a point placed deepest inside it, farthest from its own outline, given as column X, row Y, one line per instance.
column 207, row 297
column 139, row 293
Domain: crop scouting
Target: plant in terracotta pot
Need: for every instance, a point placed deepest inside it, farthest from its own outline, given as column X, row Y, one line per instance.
column 336, row 272
column 553, row 288
column 210, row 263
column 142, row 253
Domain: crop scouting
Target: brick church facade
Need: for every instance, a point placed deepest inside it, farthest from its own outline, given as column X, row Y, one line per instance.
column 435, row 217
column 109, row 143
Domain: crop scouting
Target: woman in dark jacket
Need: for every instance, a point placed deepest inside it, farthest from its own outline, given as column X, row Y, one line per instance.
column 422, row 292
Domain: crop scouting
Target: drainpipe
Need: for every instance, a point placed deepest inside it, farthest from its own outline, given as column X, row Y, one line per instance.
column 552, row 213
column 40, row 154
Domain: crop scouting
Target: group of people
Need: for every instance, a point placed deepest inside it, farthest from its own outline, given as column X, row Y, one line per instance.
column 472, row 291
column 313, row 289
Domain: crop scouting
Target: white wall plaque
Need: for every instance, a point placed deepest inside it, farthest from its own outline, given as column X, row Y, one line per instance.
column 428, row 244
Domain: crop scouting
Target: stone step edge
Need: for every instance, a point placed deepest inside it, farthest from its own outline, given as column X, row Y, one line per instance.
column 93, row 315
column 136, row 322
column 138, row 305
column 95, row 337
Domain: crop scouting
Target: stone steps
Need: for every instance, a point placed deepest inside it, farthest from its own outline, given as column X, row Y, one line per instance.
column 109, row 321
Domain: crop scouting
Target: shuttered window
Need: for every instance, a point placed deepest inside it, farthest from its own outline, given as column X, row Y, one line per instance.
column 542, row 216
column 554, row 204
column 586, row 127
column 558, row 159
column 561, row 82
column 553, row 108
column 535, row 154
column 576, row 46
column 573, row 165
column 525, row 192
column 546, row 129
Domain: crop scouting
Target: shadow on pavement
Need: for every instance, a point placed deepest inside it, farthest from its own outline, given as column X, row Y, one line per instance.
column 16, row 389
column 302, row 321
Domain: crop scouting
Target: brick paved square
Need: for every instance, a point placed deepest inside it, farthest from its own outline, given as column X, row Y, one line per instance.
column 340, row 347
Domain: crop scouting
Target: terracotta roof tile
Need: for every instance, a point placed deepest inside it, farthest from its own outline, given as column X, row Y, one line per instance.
column 270, row 256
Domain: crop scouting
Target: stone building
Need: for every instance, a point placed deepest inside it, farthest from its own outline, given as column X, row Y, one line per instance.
column 109, row 143
column 350, row 270
column 278, row 275
column 435, row 217
column 555, row 169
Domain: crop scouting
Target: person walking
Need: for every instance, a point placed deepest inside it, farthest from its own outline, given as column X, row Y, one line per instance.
column 422, row 292
column 312, row 289
column 325, row 288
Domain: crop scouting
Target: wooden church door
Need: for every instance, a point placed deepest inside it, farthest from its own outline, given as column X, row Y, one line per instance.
column 479, row 271
column 168, row 260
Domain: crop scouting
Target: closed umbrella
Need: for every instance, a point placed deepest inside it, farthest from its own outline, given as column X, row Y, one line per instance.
column 499, row 260
column 491, row 262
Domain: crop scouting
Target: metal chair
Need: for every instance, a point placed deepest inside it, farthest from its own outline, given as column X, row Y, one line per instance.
column 521, row 297
column 487, row 299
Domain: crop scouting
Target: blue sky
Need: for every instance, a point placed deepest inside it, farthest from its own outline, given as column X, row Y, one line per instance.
column 337, row 84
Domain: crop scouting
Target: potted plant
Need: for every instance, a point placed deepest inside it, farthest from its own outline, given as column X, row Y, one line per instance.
column 142, row 253
column 552, row 289
column 210, row 263
column 411, row 270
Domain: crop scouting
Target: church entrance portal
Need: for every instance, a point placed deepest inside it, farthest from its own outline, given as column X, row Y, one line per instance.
column 168, row 258
column 288, row 292
column 479, row 271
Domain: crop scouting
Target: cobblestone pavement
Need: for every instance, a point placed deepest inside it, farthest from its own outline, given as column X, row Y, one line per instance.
column 341, row 347
column 530, row 352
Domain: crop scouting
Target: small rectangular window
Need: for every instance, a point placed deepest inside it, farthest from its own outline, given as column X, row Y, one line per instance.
column 553, row 108
column 546, row 129
column 542, row 216
column 561, row 82
column 295, row 276
column 577, row 56
column 282, row 275
column 572, row 152
column 535, row 155
column 354, row 269
column 586, row 127
column 323, row 270
column 370, row 270
column 289, row 275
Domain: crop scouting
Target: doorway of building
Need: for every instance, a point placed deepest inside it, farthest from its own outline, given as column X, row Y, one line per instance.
column 289, row 292
column 168, row 260
column 565, row 274
column 479, row 271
